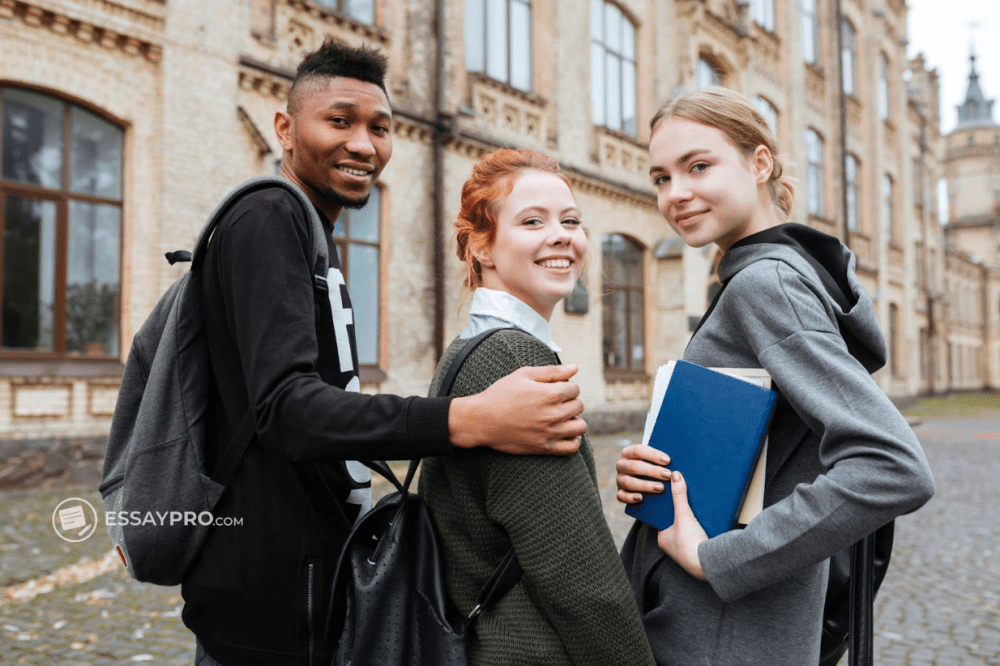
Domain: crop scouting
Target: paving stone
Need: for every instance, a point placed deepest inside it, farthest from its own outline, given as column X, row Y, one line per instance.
column 939, row 604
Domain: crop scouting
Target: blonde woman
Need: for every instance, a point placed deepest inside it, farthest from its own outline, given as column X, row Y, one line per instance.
column 841, row 460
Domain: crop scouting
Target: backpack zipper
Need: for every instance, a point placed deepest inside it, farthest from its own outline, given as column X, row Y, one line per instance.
column 309, row 612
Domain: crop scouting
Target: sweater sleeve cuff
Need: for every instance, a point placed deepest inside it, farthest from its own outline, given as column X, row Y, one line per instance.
column 427, row 427
column 716, row 556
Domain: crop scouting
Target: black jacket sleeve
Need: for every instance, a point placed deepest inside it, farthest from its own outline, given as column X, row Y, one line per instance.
column 266, row 283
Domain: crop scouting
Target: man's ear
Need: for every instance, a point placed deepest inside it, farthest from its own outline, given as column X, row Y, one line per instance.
column 283, row 126
column 763, row 164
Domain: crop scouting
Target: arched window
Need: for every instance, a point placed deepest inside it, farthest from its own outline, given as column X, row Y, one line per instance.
column 357, row 234
column 707, row 73
column 883, row 87
column 498, row 40
column 848, row 37
column 810, row 31
column 61, row 219
column 851, row 167
column 814, row 173
column 769, row 112
column 624, row 304
column 612, row 68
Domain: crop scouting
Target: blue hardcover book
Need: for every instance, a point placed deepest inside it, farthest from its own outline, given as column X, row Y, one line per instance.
column 712, row 425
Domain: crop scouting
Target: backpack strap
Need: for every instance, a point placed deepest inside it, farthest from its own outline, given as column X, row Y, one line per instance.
column 509, row 571
column 240, row 440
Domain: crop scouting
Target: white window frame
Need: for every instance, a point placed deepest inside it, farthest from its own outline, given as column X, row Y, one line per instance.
column 814, row 173
column 847, row 57
column 498, row 36
column 613, row 76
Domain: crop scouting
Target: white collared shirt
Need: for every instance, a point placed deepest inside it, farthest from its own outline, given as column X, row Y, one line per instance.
column 497, row 309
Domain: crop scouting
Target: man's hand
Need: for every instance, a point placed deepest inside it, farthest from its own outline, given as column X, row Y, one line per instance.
column 680, row 540
column 638, row 468
column 534, row 410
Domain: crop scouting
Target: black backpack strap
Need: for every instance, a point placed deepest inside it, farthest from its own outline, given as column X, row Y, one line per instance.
column 240, row 440
column 708, row 312
column 319, row 251
column 859, row 638
column 509, row 571
column 500, row 582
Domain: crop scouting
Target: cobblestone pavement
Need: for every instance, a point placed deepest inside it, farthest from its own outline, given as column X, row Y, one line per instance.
column 74, row 605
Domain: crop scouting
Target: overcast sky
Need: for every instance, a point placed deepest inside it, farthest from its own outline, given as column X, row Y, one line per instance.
column 942, row 30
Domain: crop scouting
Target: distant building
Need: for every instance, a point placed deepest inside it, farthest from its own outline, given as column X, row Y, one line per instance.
column 125, row 121
column 972, row 169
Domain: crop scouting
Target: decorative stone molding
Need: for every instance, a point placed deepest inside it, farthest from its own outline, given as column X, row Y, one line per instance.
column 853, row 105
column 42, row 401
column 815, row 89
column 583, row 181
column 889, row 136
column 414, row 130
column 263, row 148
column 617, row 154
column 37, row 15
column 101, row 398
column 895, row 257
column 266, row 83
column 301, row 26
column 503, row 108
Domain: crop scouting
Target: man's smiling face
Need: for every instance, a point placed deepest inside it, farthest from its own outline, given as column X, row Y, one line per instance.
column 338, row 140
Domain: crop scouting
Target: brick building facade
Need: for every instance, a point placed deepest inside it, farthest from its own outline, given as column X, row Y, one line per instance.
column 126, row 120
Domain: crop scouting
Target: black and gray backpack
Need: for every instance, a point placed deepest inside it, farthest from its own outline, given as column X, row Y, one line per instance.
column 158, row 495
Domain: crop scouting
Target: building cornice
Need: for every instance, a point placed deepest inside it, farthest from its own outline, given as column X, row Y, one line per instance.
column 97, row 21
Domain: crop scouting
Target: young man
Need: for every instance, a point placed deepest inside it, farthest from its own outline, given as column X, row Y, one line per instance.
column 259, row 594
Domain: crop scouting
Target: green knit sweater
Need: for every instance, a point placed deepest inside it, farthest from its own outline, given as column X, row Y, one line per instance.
column 573, row 605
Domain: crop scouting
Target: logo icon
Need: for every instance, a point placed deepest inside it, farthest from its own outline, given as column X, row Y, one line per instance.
column 74, row 519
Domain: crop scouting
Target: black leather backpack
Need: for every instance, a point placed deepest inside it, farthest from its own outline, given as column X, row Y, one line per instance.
column 389, row 604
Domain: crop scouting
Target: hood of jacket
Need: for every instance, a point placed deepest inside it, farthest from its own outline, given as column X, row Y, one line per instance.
column 826, row 261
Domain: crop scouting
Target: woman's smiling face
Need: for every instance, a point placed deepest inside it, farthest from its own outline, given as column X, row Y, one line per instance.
column 706, row 188
column 540, row 245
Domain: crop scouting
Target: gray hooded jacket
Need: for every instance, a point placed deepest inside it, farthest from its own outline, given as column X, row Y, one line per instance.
column 841, row 462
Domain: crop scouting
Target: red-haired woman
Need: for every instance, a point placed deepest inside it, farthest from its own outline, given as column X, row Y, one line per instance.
column 520, row 237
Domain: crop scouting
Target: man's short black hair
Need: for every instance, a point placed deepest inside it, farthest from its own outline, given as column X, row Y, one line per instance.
column 335, row 58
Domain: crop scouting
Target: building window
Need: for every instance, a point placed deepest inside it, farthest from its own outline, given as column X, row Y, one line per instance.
column 847, row 56
column 814, row 173
column 762, row 12
column 894, row 361
column 810, row 31
column 498, row 40
column 61, row 219
column 357, row 234
column 624, row 304
column 887, row 212
column 851, row 167
column 883, row 87
column 612, row 68
column 769, row 112
column 362, row 11
column 918, row 182
column 707, row 74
